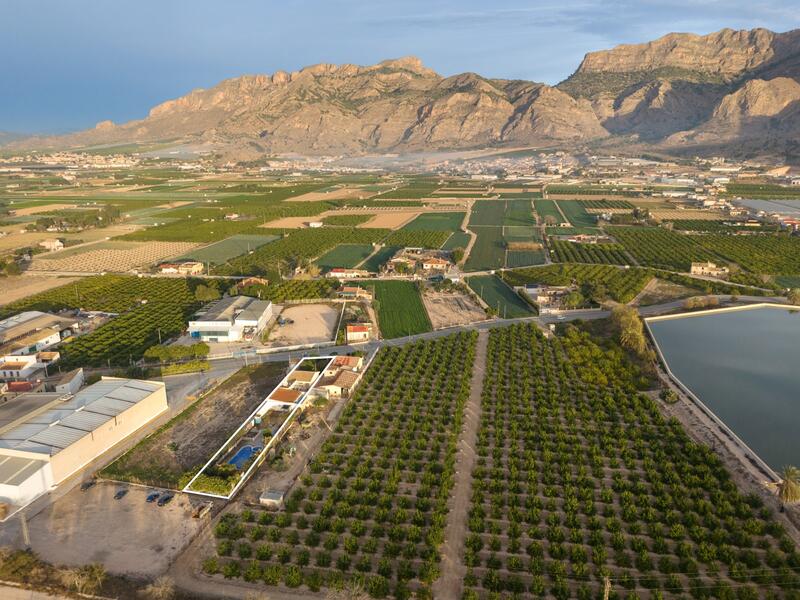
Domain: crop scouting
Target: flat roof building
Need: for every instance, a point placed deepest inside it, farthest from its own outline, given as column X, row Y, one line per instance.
column 45, row 438
column 31, row 331
column 231, row 319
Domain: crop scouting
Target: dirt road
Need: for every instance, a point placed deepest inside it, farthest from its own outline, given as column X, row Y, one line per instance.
column 450, row 583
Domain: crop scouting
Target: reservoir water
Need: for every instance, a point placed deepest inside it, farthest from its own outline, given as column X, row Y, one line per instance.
column 744, row 365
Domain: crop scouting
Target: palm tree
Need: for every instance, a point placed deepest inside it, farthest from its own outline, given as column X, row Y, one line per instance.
column 789, row 486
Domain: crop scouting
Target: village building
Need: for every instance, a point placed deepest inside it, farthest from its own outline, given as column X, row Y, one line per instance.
column 342, row 273
column 182, row 268
column 53, row 245
column 33, row 331
column 358, row 332
column 354, row 292
column 709, row 269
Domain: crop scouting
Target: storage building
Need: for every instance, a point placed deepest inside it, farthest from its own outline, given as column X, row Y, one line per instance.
column 45, row 438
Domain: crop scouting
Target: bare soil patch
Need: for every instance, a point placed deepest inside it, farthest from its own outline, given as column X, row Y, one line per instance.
column 658, row 291
column 694, row 215
column 343, row 193
column 390, row 220
column 35, row 210
column 311, row 324
column 129, row 536
column 446, row 309
column 21, row 286
column 191, row 438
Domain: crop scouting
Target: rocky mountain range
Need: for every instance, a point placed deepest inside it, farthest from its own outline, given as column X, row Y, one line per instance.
column 729, row 92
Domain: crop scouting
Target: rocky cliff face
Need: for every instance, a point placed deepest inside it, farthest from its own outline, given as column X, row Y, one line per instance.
column 679, row 92
column 686, row 90
column 395, row 106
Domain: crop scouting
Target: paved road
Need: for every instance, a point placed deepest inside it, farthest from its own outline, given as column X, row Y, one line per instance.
column 13, row 593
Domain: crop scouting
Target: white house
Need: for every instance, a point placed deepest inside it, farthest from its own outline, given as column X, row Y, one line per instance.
column 231, row 319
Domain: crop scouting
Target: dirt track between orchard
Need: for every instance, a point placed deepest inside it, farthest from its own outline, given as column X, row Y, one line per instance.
column 450, row 584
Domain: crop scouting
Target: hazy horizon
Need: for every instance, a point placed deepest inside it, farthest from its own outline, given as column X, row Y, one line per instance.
column 76, row 63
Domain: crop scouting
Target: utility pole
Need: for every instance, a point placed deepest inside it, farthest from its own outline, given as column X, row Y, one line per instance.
column 606, row 587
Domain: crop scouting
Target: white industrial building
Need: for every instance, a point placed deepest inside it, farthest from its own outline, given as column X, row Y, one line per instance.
column 47, row 437
column 231, row 319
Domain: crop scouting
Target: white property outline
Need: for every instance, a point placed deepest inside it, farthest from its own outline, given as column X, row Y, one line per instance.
column 266, row 404
column 692, row 396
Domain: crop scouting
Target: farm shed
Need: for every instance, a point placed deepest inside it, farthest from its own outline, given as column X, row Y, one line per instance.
column 44, row 442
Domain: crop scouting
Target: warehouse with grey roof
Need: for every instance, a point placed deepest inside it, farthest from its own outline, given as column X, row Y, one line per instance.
column 45, row 439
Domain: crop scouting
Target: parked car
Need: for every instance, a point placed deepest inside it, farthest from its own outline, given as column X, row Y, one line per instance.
column 120, row 494
column 153, row 496
column 165, row 499
column 87, row 484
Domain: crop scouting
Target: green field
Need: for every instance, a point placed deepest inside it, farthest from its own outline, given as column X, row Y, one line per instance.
column 444, row 221
column 547, row 208
column 487, row 213
column 458, row 240
column 576, row 213
column 518, row 212
column 501, row 298
column 345, row 255
column 522, row 234
column 400, row 308
column 524, row 258
column 377, row 260
column 224, row 250
column 489, row 251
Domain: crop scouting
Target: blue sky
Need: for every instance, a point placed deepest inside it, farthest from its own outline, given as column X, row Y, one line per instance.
column 67, row 64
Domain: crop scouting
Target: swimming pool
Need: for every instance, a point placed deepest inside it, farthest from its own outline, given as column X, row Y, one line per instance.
column 243, row 455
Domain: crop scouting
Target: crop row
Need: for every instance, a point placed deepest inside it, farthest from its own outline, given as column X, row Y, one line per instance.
column 621, row 285
column 109, row 293
column 610, row 254
column 372, row 505
column 660, row 248
column 580, row 479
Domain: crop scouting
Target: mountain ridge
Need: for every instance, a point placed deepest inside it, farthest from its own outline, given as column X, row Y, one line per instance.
column 676, row 92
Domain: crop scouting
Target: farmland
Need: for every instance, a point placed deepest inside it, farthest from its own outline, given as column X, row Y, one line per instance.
column 109, row 293
column 444, row 221
column 417, row 238
column 125, row 337
column 399, row 307
column 224, row 250
column 488, row 213
column 458, row 240
column 504, row 301
column 345, row 255
column 303, row 243
column 111, row 257
column 576, row 214
column 518, row 213
column 580, row 477
column 372, row 505
column 381, row 256
column 621, row 285
column 346, row 220
column 663, row 249
column 770, row 254
column 547, row 208
column 489, row 250
column 612, row 254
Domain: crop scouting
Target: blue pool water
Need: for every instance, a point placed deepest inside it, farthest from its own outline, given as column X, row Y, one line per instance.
column 243, row 455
